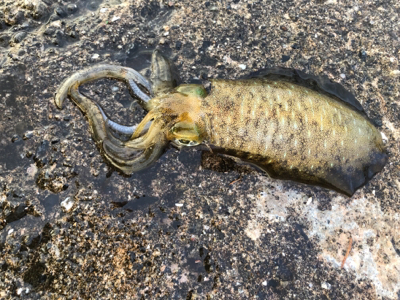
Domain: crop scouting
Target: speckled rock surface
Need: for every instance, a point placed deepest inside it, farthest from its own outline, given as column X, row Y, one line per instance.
column 194, row 225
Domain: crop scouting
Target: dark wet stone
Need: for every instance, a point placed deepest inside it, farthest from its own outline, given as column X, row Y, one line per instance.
column 188, row 51
column 363, row 55
column 59, row 38
column 18, row 194
column 17, row 19
column 35, row 274
column 49, row 31
column 151, row 35
column 207, row 61
column 93, row 5
column 4, row 40
column 203, row 75
column 18, row 37
column 15, row 138
column 72, row 8
column 284, row 28
column 41, row 153
column 17, row 214
column 178, row 45
column 274, row 283
column 295, row 46
column 151, row 10
column 60, row 11
column 283, row 271
column 285, row 58
column 40, row 10
column 72, row 34
column 205, row 45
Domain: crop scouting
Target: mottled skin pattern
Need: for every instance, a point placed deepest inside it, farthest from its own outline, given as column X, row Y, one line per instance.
column 316, row 135
column 293, row 132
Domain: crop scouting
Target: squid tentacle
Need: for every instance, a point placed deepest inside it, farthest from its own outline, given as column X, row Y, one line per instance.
column 121, row 129
column 148, row 139
column 124, row 157
column 95, row 114
column 133, row 156
column 128, row 75
column 139, row 153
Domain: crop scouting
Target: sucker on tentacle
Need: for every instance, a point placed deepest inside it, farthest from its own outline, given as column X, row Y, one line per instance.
column 292, row 125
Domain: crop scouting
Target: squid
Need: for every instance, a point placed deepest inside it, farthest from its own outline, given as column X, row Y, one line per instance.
column 290, row 124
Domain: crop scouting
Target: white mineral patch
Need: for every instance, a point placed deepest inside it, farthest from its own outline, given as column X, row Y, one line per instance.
column 384, row 137
column 67, row 204
column 372, row 254
column 31, row 171
column 115, row 18
column 273, row 203
column 253, row 230
column 326, row 285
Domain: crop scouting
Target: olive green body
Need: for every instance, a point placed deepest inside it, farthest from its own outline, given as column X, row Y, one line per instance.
column 293, row 132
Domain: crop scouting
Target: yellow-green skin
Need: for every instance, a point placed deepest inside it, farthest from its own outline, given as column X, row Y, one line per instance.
column 290, row 131
column 293, row 132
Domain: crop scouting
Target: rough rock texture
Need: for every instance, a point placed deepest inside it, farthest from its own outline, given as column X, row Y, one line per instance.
column 194, row 225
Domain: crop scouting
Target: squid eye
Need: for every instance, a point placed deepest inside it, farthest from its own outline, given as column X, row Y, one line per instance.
column 184, row 142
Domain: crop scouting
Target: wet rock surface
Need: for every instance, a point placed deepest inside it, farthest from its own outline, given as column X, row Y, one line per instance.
column 193, row 225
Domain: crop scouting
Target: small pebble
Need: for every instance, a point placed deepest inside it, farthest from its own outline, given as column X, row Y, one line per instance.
column 19, row 36
column 242, row 66
column 115, row 18
column 61, row 12
column 72, row 8
column 384, row 137
column 285, row 58
column 67, row 204
column 326, row 286
column 15, row 138
column 343, row 76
